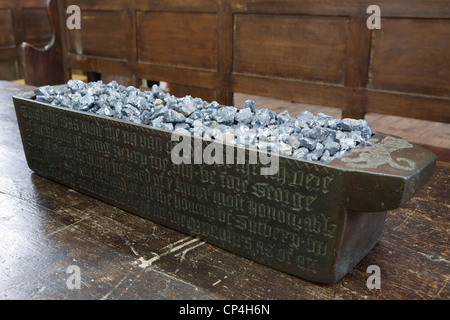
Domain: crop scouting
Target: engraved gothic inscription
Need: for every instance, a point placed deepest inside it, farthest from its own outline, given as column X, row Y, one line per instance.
column 282, row 218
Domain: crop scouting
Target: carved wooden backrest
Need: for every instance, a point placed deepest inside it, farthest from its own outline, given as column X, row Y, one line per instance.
column 315, row 52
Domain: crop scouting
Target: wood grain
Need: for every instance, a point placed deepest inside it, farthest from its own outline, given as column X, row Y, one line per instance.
column 47, row 227
column 178, row 39
column 21, row 20
column 314, row 52
column 6, row 24
column 44, row 65
column 91, row 39
column 409, row 56
column 292, row 47
column 37, row 29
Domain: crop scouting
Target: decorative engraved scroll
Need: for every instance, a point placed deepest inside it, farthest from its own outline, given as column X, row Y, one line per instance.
column 380, row 153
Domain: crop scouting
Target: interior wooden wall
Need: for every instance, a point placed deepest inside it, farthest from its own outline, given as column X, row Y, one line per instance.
column 308, row 51
column 20, row 20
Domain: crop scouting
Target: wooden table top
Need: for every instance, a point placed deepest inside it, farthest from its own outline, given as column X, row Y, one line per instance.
column 51, row 234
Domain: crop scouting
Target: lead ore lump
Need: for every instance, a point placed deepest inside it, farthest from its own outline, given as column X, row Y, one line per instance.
column 309, row 137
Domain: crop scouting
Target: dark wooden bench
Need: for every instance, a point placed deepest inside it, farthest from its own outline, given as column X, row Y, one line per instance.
column 20, row 20
column 46, row 228
column 315, row 52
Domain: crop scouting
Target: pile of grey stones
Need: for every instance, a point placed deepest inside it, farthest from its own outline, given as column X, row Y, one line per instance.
column 306, row 136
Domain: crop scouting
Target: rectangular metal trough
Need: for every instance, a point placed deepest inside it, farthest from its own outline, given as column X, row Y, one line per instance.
column 310, row 219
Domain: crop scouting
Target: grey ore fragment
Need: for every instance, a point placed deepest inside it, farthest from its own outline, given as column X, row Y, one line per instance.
column 306, row 136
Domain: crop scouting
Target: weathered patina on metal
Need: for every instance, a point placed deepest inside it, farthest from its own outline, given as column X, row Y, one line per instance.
column 310, row 219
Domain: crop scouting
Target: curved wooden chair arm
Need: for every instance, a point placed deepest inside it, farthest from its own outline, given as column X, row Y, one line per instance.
column 44, row 66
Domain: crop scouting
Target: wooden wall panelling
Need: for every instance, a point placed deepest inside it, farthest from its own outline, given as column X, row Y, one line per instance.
column 20, row 20
column 356, row 68
column 103, row 54
column 399, row 8
column 409, row 72
column 36, row 27
column 6, row 23
column 291, row 90
column 402, row 69
column 105, row 43
column 180, row 90
column 309, row 48
column 408, row 105
column 178, row 39
column 61, row 25
column 225, row 52
column 316, row 52
column 179, row 42
column 8, row 64
column 284, row 52
column 412, row 55
column 99, row 35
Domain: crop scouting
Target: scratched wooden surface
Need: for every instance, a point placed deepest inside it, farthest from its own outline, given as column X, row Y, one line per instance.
column 46, row 227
